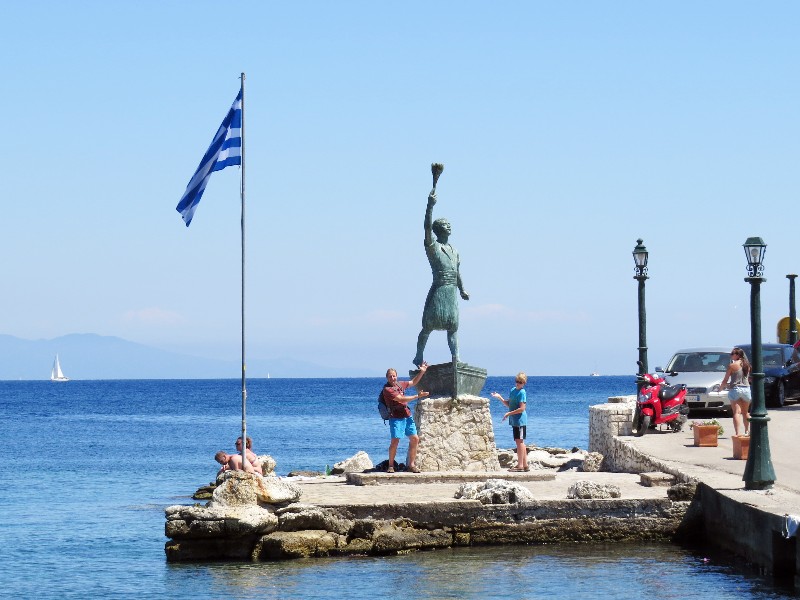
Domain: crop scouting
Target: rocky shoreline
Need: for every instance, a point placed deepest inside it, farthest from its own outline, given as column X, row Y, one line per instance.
column 256, row 518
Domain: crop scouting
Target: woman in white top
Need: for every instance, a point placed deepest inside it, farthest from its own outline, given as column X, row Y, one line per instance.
column 736, row 378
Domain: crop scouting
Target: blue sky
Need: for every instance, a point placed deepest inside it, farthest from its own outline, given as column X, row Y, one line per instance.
column 567, row 131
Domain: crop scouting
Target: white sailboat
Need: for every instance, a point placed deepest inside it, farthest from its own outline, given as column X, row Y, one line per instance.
column 57, row 374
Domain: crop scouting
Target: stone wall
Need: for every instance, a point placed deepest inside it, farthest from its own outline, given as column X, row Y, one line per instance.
column 302, row 530
column 609, row 426
column 606, row 422
column 455, row 435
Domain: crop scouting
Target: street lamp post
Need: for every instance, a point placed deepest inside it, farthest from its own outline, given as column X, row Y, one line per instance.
column 640, row 261
column 758, row 472
column 792, row 311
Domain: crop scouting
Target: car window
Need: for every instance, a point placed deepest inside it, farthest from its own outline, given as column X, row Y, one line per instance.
column 772, row 357
column 693, row 362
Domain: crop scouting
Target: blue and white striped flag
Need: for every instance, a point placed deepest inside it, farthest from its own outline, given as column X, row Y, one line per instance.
column 225, row 150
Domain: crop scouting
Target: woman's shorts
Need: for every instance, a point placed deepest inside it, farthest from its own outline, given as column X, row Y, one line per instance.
column 740, row 392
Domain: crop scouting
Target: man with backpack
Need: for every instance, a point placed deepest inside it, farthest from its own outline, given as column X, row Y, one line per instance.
column 400, row 420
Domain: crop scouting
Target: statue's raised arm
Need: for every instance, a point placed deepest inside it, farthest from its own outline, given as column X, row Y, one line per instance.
column 429, row 218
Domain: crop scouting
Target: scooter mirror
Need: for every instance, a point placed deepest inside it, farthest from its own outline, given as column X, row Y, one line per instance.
column 659, row 370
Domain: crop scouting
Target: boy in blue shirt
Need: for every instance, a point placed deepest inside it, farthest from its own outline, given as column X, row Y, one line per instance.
column 518, row 419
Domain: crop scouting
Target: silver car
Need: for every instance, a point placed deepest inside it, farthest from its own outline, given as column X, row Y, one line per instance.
column 702, row 370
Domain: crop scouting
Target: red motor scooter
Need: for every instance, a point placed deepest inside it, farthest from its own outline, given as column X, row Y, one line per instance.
column 659, row 403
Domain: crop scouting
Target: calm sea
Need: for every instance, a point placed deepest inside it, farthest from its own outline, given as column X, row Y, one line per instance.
column 92, row 464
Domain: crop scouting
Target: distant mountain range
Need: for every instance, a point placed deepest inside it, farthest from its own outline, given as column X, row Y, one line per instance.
column 91, row 356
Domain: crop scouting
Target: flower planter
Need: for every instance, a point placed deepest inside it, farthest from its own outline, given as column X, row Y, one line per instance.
column 705, row 435
column 741, row 446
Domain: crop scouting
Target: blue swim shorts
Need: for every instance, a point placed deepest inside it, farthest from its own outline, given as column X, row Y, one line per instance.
column 400, row 427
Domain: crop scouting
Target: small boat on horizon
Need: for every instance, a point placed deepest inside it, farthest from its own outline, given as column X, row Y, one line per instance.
column 57, row 374
column 594, row 374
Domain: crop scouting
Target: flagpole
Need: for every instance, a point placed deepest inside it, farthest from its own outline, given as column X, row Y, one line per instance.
column 244, row 385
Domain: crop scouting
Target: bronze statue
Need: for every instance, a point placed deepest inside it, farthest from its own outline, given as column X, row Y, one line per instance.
column 441, row 305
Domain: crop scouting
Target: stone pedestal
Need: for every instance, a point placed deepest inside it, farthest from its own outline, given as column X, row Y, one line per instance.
column 440, row 379
column 455, row 435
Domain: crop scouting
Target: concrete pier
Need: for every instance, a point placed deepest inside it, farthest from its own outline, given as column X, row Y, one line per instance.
column 379, row 513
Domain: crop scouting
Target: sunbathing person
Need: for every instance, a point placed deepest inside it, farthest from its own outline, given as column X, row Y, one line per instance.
column 232, row 462
column 251, row 456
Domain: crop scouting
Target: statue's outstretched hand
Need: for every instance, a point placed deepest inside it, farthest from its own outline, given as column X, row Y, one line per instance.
column 464, row 295
column 432, row 198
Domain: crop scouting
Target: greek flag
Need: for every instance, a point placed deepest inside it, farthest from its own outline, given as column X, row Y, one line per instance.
column 225, row 150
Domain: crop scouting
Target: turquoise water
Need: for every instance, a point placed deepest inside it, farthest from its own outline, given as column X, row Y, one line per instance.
column 92, row 464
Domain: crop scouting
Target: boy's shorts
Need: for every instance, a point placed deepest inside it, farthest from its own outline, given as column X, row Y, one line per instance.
column 519, row 432
column 402, row 427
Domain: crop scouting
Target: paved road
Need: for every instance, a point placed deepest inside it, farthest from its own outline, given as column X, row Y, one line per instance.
column 716, row 466
column 784, row 440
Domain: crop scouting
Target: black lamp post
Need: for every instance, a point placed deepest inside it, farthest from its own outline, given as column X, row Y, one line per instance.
column 792, row 311
column 758, row 472
column 640, row 261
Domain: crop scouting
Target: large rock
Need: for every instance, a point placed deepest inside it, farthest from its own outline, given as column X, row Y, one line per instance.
column 401, row 536
column 507, row 458
column 299, row 517
column 357, row 463
column 296, row 544
column 268, row 464
column 494, row 491
column 590, row 490
column 199, row 522
column 592, row 463
column 246, row 489
column 556, row 458
column 279, row 491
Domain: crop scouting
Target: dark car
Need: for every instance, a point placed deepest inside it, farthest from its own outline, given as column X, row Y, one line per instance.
column 781, row 377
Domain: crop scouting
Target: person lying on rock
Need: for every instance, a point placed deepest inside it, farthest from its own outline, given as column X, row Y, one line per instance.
column 251, row 456
column 232, row 462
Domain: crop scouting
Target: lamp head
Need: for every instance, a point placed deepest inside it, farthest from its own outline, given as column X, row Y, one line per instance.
column 640, row 259
column 754, row 250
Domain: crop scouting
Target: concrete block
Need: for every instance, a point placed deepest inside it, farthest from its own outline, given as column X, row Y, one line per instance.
column 657, row 479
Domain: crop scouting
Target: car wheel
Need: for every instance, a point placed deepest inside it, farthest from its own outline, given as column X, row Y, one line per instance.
column 780, row 394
